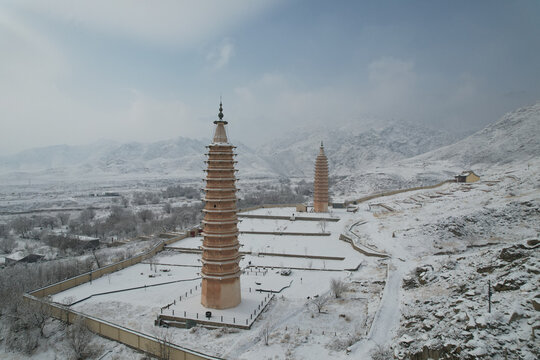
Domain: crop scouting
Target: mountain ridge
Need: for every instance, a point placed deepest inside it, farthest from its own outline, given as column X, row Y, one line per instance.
column 354, row 151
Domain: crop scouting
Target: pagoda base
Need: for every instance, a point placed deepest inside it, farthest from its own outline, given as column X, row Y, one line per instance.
column 319, row 206
column 220, row 294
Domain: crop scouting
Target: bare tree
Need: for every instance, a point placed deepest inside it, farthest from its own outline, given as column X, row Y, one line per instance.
column 78, row 337
column 125, row 201
column 20, row 337
column 167, row 207
column 266, row 331
column 47, row 222
column 26, row 324
column 381, row 353
column 322, row 225
column 22, row 225
column 146, row 215
column 7, row 244
column 63, row 218
column 162, row 349
column 34, row 313
column 87, row 215
column 338, row 287
column 320, row 302
column 164, row 340
column 4, row 230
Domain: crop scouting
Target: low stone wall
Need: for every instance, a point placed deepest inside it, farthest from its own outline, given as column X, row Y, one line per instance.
column 265, row 206
column 136, row 340
column 366, row 251
column 288, row 233
column 393, row 192
column 282, row 217
column 95, row 274
column 319, row 257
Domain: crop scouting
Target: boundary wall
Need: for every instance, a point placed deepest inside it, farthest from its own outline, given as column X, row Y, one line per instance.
column 346, row 203
column 265, row 206
column 134, row 339
column 95, row 274
column 281, row 217
column 364, row 250
column 393, row 192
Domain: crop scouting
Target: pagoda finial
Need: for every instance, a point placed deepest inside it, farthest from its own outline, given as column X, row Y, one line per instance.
column 220, row 115
column 322, row 144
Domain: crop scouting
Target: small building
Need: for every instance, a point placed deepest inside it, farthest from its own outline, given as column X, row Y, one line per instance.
column 301, row 208
column 88, row 242
column 467, row 177
column 340, row 204
column 19, row 257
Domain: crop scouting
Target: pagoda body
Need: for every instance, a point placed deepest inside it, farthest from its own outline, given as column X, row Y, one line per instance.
column 320, row 198
column 220, row 257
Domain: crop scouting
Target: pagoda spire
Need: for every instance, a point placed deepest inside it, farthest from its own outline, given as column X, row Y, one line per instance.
column 220, row 135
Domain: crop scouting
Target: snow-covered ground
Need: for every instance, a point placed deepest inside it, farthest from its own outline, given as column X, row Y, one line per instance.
column 423, row 229
column 123, row 298
column 441, row 236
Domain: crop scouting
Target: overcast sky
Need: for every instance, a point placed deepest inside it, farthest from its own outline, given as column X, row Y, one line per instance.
column 73, row 72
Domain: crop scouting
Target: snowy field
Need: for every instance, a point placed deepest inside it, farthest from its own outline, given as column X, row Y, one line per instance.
column 133, row 297
column 437, row 239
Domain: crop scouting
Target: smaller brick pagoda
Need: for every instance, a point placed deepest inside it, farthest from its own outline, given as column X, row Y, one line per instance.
column 320, row 198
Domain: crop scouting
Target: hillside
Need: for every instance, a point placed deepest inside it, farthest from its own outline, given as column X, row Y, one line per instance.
column 180, row 158
column 512, row 139
column 352, row 147
column 363, row 156
column 349, row 148
column 515, row 137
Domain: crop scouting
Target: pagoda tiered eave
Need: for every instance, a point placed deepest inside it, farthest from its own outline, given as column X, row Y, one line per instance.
column 220, row 179
column 233, row 247
column 218, row 211
column 223, row 235
column 220, row 222
column 221, row 189
column 224, row 277
column 219, row 200
column 235, row 260
column 221, row 144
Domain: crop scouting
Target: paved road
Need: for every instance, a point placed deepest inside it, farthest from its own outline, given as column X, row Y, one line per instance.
column 387, row 318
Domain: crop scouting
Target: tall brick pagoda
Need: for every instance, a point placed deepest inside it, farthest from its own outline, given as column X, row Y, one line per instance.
column 320, row 198
column 220, row 258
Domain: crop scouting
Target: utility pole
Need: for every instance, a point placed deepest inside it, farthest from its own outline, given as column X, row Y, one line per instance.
column 489, row 296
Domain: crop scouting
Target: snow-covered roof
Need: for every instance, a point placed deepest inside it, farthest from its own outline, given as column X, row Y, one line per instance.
column 86, row 238
column 466, row 173
column 16, row 256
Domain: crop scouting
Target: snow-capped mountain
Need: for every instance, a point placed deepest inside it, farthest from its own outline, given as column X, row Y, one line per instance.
column 180, row 157
column 514, row 137
column 352, row 147
column 374, row 155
